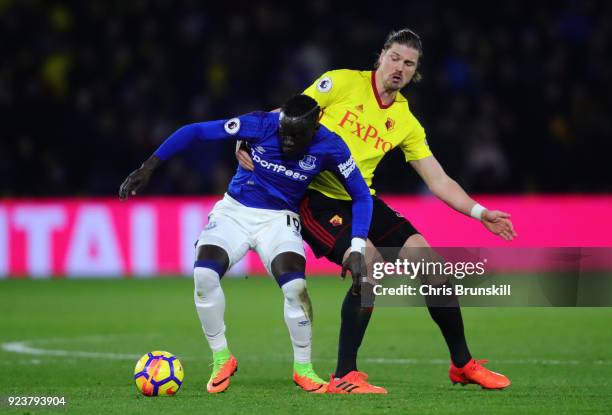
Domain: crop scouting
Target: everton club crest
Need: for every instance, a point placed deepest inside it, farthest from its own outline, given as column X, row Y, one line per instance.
column 308, row 162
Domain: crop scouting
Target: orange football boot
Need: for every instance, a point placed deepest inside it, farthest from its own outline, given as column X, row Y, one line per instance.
column 475, row 372
column 222, row 372
column 312, row 384
column 353, row 382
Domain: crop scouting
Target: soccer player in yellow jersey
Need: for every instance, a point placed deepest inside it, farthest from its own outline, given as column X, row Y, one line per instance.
column 368, row 111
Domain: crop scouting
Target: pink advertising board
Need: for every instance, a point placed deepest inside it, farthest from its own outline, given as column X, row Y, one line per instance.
column 43, row 238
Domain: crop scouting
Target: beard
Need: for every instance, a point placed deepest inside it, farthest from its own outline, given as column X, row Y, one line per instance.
column 392, row 85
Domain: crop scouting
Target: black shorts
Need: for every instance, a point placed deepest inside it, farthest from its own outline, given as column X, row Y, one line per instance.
column 326, row 225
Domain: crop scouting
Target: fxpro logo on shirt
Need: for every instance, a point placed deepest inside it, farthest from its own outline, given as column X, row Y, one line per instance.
column 278, row 168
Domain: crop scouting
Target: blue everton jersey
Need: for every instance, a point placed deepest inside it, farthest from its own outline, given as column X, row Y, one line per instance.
column 279, row 182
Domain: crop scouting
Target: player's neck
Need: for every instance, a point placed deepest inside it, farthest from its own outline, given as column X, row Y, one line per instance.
column 387, row 97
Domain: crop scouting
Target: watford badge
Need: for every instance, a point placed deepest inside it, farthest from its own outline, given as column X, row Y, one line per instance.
column 390, row 124
column 336, row 221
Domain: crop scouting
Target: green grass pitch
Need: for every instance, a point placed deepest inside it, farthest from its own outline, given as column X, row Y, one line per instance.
column 559, row 360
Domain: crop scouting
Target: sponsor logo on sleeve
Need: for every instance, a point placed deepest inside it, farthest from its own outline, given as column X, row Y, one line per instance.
column 325, row 84
column 232, row 126
column 347, row 167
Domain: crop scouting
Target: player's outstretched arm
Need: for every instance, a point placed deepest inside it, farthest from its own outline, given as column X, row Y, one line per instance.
column 245, row 127
column 177, row 142
column 451, row 193
column 347, row 172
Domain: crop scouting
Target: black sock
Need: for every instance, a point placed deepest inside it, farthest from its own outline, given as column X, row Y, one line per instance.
column 354, row 322
column 451, row 324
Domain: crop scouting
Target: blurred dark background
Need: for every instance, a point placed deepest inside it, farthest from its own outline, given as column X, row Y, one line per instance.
column 515, row 97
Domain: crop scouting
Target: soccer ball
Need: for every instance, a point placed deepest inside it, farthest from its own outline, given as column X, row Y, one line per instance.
column 158, row 373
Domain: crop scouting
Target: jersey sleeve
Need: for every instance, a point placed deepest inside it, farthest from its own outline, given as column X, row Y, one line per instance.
column 415, row 145
column 342, row 164
column 250, row 127
column 327, row 88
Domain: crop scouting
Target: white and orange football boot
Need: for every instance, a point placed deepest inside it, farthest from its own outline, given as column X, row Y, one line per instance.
column 224, row 367
column 306, row 378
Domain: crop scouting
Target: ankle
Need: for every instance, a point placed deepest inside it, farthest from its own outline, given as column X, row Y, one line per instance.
column 222, row 355
column 302, row 368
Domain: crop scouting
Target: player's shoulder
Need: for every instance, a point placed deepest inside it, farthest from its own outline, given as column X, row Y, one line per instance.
column 262, row 116
column 256, row 123
column 402, row 104
column 326, row 140
column 325, row 134
column 341, row 77
column 348, row 75
column 410, row 123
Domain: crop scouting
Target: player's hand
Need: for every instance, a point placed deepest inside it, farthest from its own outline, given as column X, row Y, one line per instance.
column 355, row 264
column 244, row 159
column 138, row 178
column 134, row 182
column 499, row 223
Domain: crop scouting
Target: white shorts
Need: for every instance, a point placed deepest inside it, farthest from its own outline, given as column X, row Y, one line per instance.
column 237, row 228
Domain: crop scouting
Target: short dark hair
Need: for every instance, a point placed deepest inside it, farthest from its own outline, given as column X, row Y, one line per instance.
column 300, row 106
column 408, row 38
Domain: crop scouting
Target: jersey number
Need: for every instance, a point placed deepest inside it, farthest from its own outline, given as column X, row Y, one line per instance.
column 293, row 222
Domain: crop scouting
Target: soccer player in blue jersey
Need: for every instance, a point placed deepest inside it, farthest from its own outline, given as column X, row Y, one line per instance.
column 259, row 212
column 368, row 110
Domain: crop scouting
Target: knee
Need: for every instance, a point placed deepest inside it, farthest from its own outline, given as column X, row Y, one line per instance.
column 213, row 257
column 417, row 248
column 416, row 241
column 295, row 291
column 287, row 262
column 205, row 281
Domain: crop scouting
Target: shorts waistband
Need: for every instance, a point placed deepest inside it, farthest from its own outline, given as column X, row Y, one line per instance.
column 228, row 197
